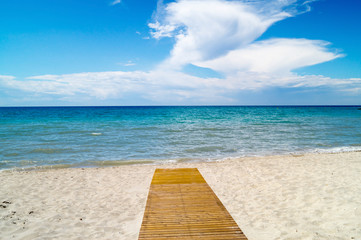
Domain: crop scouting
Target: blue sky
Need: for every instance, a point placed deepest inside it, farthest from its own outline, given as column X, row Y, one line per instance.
column 185, row 52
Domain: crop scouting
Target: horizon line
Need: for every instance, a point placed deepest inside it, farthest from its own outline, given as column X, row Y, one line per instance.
column 211, row 105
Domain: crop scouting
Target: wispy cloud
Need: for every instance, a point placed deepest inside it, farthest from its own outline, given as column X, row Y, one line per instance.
column 165, row 86
column 128, row 63
column 144, row 37
column 6, row 77
column 115, row 2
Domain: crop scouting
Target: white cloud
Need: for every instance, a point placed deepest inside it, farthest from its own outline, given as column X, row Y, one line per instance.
column 273, row 56
column 115, row 2
column 222, row 35
column 155, row 85
column 128, row 63
column 6, row 78
column 167, row 86
column 206, row 30
column 101, row 85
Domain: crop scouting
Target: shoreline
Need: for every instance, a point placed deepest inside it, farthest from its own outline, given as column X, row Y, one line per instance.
column 309, row 196
column 118, row 163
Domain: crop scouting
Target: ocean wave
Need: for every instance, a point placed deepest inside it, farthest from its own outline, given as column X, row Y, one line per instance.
column 339, row 149
column 144, row 128
column 110, row 163
column 46, row 150
column 28, row 165
column 173, row 131
column 11, row 154
column 36, row 168
column 204, row 149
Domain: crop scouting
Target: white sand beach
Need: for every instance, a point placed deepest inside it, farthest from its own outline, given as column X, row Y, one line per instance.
column 313, row 196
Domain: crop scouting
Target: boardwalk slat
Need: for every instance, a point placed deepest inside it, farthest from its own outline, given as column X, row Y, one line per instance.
column 181, row 205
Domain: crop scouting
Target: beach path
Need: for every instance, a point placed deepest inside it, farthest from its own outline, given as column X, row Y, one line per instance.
column 181, row 205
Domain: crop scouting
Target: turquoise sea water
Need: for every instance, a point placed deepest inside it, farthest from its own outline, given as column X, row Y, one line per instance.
column 93, row 136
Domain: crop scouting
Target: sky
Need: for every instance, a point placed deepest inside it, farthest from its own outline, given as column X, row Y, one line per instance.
column 182, row 52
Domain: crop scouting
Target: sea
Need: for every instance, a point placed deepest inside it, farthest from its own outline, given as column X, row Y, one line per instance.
column 61, row 137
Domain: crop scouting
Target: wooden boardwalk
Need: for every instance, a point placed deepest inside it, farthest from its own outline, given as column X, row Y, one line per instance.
column 181, row 205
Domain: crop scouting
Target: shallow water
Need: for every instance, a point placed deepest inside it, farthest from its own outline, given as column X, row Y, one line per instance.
column 92, row 136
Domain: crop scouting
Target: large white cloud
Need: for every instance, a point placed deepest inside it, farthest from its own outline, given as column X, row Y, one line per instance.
column 275, row 56
column 222, row 35
column 207, row 29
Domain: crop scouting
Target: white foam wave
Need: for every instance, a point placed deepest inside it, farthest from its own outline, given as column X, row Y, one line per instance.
column 339, row 149
column 96, row 134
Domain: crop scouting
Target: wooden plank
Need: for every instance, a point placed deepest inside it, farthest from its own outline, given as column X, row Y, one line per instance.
column 181, row 205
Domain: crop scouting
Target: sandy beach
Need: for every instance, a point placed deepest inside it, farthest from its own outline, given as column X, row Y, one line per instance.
column 313, row 196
